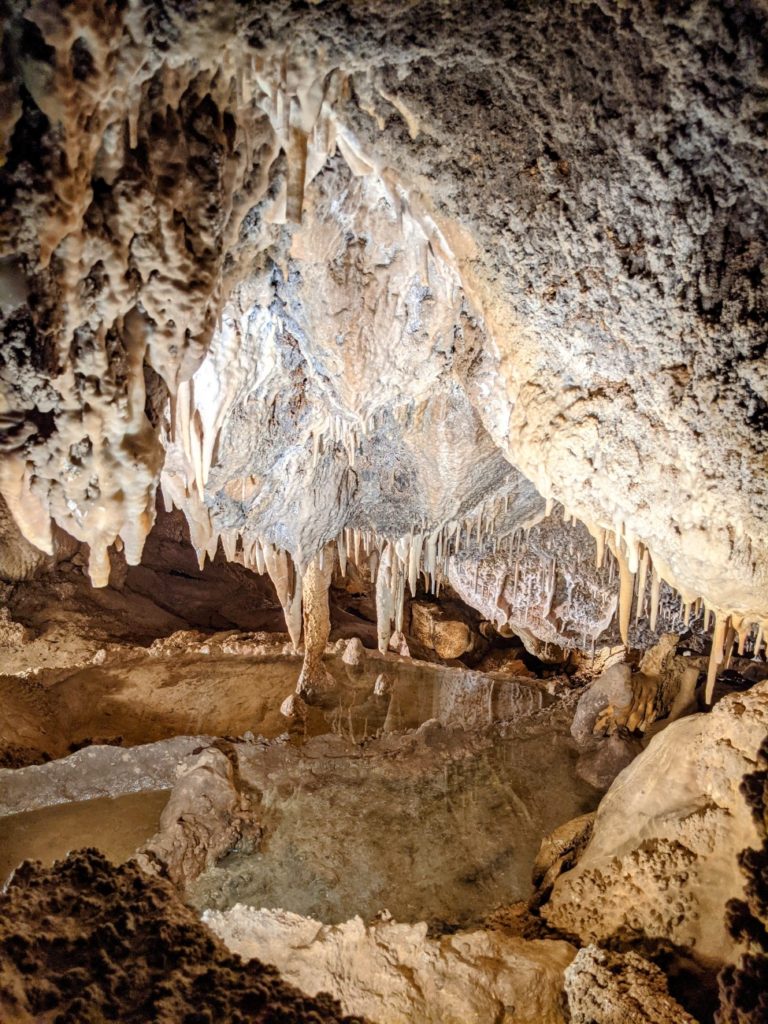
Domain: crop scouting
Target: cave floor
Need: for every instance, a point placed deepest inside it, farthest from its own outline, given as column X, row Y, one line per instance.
column 437, row 777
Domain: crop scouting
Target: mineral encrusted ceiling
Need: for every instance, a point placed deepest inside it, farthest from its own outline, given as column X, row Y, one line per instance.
column 394, row 272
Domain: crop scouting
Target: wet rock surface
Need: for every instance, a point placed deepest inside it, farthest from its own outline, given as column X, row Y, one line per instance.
column 97, row 771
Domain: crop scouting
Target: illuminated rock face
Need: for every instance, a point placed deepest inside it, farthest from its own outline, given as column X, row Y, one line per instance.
column 394, row 277
column 660, row 862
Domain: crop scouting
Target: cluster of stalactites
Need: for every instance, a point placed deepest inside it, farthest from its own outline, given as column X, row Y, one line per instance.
column 636, row 567
column 421, row 557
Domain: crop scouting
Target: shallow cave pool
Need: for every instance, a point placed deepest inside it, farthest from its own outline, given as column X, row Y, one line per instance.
column 412, row 789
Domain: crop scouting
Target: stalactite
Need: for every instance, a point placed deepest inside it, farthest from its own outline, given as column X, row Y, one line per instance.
column 288, row 584
column 258, row 552
column 384, row 598
column 641, row 582
column 229, row 544
column 730, row 637
column 341, row 547
column 626, row 590
column 655, row 595
column 716, row 654
column 29, row 510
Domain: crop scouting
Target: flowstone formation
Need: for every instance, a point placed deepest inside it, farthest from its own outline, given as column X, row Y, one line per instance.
column 397, row 279
column 744, row 986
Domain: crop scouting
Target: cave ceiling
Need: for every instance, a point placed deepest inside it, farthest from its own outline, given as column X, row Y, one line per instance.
column 406, row 277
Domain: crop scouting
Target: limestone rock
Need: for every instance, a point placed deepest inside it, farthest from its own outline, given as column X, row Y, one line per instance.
column 744, row 986
column 363, row 336
column 600, row 765
column 611, row 689
column 663, row 858
column 559, row 851
column 294, row 708
column 97, row 771
column 354, row 652
column 206, row 815
column 393, row 974
column 13, row 634
column 434, row 627
column 619, row 988
column 383, row 685
column 507, row 662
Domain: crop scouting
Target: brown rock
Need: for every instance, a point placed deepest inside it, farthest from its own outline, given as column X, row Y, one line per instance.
column 619, row 988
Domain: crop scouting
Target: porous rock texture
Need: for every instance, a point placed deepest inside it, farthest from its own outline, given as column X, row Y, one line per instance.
column 394, row 974
column 662, row 860
column 619, row 988
column 744, row 986
column 391, row 276
column 85, row 941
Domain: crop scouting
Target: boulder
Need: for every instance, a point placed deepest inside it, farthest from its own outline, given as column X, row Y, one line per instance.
column 663, row 858
column 439, row 629
column 558, row 852
column 395, row 974
column 206, row 815
column 613, row 688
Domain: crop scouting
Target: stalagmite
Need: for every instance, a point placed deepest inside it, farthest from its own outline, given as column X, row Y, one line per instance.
column 317, row 625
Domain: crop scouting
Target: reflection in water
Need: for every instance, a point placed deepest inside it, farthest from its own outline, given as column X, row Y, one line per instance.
column 116, row 825
column 399, row 792
column 444, row 826
column 383, row 697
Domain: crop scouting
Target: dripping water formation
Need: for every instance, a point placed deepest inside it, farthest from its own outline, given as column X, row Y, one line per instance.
column 383, row 511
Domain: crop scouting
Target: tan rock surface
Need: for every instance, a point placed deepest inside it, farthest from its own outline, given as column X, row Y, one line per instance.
column 662, row 860
column 619, row 988
column 259, row 269
column 393, row 974
column 206, row 815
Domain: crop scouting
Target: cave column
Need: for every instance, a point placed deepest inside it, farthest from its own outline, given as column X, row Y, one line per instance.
column 317, row 622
